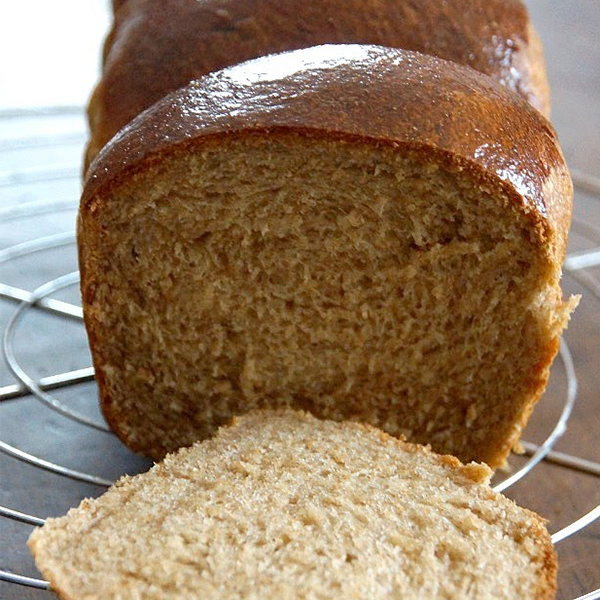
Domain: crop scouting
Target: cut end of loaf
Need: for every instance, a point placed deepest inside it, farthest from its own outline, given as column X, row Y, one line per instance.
column 354, row 280
column 282, row 505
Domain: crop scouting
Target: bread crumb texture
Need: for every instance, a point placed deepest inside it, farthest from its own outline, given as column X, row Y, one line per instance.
column 283, row 505
column 354, row 281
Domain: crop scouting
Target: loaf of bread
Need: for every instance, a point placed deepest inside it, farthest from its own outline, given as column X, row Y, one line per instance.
column 361, row 232
column 284, row 506
column 156, row 47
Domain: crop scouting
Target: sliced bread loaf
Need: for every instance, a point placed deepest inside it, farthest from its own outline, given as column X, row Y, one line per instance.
column 282, row 505
column 157, row 47
column 365, row 233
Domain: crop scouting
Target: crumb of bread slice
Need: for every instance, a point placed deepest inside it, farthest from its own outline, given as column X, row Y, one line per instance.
column 283, row 505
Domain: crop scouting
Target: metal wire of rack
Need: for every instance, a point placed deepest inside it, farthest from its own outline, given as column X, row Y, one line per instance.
column 43, row 300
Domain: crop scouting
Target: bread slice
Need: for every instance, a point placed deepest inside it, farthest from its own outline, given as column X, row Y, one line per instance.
column 361, row 232
column 156, row 47
column 282, row 505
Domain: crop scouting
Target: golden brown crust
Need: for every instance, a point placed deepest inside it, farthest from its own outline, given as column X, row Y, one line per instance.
column 109, row 410
column 157, row 47
column 548, row 586
column 352, row 92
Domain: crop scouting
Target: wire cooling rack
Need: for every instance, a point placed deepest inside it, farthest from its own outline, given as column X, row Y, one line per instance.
column 52, row 434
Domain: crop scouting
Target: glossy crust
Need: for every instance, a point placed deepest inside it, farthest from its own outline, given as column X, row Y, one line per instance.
column 363, row 95
column 385, row 95
column 156, row 47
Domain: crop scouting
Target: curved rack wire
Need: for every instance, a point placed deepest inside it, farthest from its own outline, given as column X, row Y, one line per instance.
column 577, row 264
column 52, row 403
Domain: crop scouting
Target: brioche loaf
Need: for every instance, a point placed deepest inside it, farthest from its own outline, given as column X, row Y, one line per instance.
column 281, row 505
column 156, row 47
column 361, row 232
